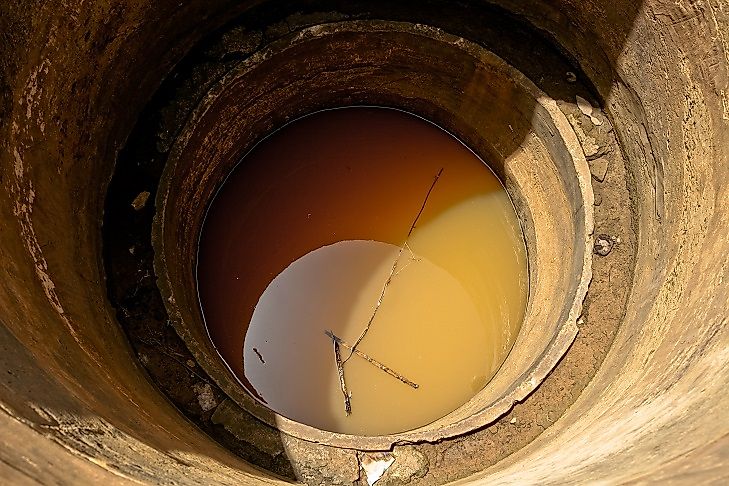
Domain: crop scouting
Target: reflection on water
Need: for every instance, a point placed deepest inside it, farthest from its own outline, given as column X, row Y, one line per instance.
column 302, row 238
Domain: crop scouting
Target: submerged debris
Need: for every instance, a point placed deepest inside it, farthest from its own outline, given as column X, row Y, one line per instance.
column 599, row 168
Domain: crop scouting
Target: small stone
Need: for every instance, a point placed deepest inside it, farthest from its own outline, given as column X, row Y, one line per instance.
column 587, row 109
column 190, row 363
column 409, row 464
column 132, row 250
column 590, row 147
column 205, row 396
column 141, row 200
column 598, row 199
column 603, row 245
column 512, row 421
column 584, row 105
column 571, row 77
column 599, row 168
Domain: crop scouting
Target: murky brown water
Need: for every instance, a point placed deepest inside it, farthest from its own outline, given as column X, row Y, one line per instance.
column 303, row 237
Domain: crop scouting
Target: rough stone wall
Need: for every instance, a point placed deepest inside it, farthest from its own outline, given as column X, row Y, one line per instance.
column 74, row 76
column 656, row 410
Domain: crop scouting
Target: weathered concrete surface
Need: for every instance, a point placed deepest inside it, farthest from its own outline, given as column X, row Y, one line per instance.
column 657, row 409
column 74, row 75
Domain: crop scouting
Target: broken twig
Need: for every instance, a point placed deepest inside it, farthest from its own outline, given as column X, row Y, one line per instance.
column 385, row 368
column 340, row 371
column 364, row 332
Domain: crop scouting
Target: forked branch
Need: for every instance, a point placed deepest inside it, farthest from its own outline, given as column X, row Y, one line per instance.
column 393, row 268
column 371, row 360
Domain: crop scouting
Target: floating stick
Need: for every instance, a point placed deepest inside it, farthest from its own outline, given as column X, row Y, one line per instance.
column 340, row 371
column 353, row 348
column 385, row 368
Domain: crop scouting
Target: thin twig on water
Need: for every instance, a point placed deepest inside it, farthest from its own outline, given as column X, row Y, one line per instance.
column 385, row 368
column 340, row 371
column 425, row 201
column 394, row 267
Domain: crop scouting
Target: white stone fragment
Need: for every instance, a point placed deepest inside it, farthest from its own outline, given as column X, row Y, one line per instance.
column 586, row 108
column 375, row 465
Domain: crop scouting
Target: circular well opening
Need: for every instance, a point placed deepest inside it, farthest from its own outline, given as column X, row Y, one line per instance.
column 455, row 84
column 386, row 231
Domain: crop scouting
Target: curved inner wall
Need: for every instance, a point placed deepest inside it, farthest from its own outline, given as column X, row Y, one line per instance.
column 74, row 80
column 547, row 178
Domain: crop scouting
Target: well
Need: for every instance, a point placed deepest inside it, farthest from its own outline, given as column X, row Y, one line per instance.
column 84, row 88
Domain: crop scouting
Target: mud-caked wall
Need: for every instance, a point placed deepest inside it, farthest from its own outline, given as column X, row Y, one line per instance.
column 77, row 407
